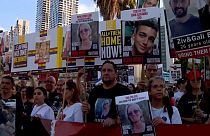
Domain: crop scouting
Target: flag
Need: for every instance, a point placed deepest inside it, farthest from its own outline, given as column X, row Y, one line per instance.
column 89, row 61
column 43, row 33
column 42, row 65
column 71, row 62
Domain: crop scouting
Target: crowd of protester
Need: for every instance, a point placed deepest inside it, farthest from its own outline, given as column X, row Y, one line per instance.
column 186, row 103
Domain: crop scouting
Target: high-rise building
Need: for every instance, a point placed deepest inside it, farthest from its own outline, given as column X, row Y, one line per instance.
column 61, row 11
column 22, row 27
column 42, row 15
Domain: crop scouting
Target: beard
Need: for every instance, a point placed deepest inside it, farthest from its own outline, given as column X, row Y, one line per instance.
column 179, row 14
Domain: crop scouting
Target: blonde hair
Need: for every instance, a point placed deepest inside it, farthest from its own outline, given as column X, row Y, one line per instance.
column 78, row 31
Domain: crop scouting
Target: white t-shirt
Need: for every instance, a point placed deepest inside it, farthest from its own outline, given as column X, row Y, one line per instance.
column 43, row 111
column 73, row 113
column 178, row 95
column 176, row 119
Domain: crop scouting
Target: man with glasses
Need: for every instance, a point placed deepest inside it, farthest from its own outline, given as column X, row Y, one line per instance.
column 183, row 23
column 53, row 96
column 151, row 70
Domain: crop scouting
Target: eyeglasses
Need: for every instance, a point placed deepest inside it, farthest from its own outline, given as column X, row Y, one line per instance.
column 158, row 86
column 84, row 30
column 149, row 69
column 133, row 112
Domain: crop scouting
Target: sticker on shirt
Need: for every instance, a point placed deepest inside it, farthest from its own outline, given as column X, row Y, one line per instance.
column 102, row 109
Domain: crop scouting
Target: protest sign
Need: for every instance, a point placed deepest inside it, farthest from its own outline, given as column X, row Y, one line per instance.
column 141, row 36
column 132, row 109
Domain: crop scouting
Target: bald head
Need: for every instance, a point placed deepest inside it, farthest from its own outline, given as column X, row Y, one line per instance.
column 50, row 84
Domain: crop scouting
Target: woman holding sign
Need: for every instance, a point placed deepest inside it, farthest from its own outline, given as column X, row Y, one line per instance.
column 85, row 36
column 162, row 111
column 73, row 109
column 194, row 105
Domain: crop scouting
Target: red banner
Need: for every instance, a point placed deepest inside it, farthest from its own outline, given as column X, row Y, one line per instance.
column 96, row 129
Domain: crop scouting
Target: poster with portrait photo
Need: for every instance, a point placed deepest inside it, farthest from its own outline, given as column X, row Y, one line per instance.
column 66, row 50
column 141, row 36
column 85, row 35
column 175, row 73
column 135, row 114
column 7, row 62
column 4, row 42
column 188, row 32
column 7, row 117
column 102, row 109
column 148, row 3
column 42, row 52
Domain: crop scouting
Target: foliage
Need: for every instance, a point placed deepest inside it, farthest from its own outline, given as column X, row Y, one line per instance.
column 110, row 9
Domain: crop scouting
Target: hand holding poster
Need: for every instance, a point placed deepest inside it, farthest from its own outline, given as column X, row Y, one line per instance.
column 135, row 114
column 85, row 37
column 141, row 36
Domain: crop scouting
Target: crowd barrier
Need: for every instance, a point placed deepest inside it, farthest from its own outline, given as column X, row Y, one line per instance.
column 95, row 129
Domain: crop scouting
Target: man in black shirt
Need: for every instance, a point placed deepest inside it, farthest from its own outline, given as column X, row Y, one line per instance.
column 106, row 92
column 7, row 86
column 54, row 97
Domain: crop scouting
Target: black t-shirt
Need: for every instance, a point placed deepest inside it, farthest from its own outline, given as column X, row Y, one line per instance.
column 187, row 105
column 99, row 95
column 55, row 101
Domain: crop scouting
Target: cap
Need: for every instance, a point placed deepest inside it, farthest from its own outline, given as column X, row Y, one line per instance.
column 191, row 75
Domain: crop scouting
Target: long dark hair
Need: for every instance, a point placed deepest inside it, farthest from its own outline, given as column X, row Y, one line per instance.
column 203, row 86
column 44, row 91
column 75, row 96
